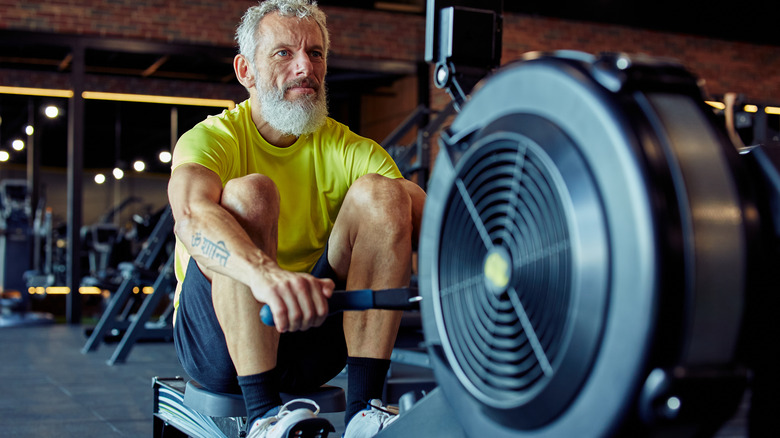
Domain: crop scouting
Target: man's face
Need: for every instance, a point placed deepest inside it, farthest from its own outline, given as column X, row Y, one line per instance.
column 290, row 66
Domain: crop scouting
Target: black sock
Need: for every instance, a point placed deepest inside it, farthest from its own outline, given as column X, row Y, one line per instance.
column 365, row 381
column 261, row 394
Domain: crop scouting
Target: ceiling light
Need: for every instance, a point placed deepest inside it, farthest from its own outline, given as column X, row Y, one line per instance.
column 118, row 173
column 51, row 111
column 29, row 130
column 17, row 144
column 139, row 166
column 36, row 91
column 100, row 178
column 4, row 156
column 122, row 97
column 146, row 98
column 165, row 157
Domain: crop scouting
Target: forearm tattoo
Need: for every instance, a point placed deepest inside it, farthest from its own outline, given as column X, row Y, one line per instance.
column 215, row 251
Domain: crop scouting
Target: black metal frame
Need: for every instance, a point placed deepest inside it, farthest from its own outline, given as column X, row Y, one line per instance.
column 142, row 272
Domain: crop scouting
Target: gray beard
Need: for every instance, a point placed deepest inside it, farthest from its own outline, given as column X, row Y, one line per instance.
column 299, row 117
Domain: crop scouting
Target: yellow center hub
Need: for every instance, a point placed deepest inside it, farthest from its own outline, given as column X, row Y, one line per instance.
column 497, row 270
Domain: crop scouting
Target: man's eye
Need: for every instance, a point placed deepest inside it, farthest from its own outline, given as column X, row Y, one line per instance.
column 316, row 54
column 283, row 53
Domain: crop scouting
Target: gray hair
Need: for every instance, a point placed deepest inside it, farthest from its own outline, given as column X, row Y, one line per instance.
column 247, row 32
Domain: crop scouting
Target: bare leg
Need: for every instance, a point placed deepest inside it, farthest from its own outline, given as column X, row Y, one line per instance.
column 371, row 245
column 254, row 202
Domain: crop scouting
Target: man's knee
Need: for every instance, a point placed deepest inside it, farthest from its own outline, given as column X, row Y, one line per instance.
column 383, row 200
column 251, row 197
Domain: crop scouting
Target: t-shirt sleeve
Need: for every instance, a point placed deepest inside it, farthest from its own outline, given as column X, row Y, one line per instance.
column 379, row 161
column 366, row 156
column 205, row 147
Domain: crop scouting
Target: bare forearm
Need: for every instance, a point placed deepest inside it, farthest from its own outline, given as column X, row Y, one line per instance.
column 219, row 244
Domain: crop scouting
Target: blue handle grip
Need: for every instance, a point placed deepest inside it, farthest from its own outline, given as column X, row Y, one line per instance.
column 266, row 316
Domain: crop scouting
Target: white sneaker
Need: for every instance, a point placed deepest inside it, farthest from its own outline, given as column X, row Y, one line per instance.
column 368, row 422
column 301, row 422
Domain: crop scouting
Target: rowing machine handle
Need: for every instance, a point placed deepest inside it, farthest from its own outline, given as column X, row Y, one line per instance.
column 362, row 299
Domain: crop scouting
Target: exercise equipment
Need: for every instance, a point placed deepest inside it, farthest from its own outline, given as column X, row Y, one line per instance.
column 413, row 159
column 591, row 243
column 49, row 264
column 15, row 239
column 362, row 299
column 761, row 125
column 187, row 409
column 594, row 256
column 110, row 248
column 16, row 245
column 586, row 238
column 152, row 267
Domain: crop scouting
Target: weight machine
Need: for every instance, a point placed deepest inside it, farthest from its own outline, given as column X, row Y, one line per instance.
column 152, row 267
column 16, row 245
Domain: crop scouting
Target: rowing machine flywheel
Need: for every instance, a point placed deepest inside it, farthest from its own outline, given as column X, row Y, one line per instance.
column 583, row 252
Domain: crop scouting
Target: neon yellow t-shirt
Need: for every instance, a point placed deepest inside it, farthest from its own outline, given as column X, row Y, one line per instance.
column 312, row 175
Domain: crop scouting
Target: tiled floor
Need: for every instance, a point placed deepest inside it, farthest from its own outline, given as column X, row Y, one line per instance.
column 48, row 388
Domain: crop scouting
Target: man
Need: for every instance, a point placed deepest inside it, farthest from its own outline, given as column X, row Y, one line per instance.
column 275, row 203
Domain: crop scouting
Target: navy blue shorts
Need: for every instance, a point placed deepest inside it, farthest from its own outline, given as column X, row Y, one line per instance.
column 305, row 361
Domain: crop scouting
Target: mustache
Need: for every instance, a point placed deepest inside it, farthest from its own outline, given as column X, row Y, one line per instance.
column 301, row 82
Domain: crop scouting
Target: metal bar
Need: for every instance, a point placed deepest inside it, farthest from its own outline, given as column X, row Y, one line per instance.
column 423, row 136
column 760, row 127
column 410, row 121
column 406, row 298
column 108, row 320
column 75, row 192
column 34, row 180
column 162, row 286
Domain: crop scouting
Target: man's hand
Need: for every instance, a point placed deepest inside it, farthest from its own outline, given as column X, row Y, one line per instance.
column 298, row 301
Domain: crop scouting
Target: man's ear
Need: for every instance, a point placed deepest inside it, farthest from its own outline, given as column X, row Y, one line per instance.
column 244, row 71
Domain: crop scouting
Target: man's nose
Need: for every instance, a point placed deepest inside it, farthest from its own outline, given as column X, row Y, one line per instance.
column 303, row 65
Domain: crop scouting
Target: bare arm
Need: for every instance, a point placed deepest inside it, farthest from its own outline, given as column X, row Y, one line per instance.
column 194, row 193
column 220, row 245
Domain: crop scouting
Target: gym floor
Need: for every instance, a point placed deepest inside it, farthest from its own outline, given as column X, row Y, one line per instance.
column 48, row 388
column 51, row 389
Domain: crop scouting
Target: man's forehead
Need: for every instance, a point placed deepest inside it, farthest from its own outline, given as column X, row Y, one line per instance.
column 275, row 28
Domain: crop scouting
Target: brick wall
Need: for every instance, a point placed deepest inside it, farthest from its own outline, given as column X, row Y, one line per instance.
column 749, row 69
column 725, row 66
column 376, row 35
column 197, row 21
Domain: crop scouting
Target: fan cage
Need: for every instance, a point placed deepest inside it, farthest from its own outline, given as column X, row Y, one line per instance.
column 506, row 338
